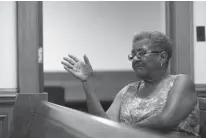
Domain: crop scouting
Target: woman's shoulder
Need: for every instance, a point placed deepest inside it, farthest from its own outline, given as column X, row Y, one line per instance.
column 183, row 85
column 181, row 76
column 184, row 79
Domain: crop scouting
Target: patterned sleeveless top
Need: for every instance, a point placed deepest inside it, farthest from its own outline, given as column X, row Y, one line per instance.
column 137, row 110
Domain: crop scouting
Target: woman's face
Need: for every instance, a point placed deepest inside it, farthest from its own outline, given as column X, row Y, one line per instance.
column 145, row 59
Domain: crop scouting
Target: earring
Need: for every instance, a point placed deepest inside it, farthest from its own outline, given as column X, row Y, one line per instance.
column 161, row 64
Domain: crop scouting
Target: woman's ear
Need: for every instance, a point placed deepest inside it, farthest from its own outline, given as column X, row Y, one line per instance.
column 164, row 57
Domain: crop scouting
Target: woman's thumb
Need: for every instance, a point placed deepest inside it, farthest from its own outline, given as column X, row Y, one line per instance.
column 86, row 60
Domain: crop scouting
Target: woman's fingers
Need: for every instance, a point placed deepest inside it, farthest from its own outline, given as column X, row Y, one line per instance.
column 73, row 57
column 69, row 60
column 67, row 69
column 68, row 65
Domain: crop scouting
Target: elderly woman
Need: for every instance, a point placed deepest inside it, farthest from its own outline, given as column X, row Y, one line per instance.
column 157, row 100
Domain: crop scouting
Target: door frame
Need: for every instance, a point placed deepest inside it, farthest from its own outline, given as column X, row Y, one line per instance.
column 29, row 46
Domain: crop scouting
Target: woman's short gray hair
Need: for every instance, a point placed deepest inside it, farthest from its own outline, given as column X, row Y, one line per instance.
column 156, row 39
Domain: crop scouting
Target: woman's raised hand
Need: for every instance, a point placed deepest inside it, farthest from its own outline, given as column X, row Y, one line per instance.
column 81, row 70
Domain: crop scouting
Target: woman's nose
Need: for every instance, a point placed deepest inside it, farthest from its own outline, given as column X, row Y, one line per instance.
column 136, row 57
column 133, row 57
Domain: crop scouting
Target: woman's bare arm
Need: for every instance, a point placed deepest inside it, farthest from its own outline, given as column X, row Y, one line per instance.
column 114, row 110
column 93, row 104
column 95, row 108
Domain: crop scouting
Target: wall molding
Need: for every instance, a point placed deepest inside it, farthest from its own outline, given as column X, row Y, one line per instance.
column 7, row 97
column 201, row 88
column 8, row 90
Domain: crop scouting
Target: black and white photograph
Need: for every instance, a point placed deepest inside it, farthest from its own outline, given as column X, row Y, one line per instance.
column 102, row 69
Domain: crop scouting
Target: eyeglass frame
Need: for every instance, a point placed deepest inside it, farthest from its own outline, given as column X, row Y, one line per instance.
column 130, row 56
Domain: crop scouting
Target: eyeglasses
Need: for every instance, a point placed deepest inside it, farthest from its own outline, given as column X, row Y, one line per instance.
column 141, row 54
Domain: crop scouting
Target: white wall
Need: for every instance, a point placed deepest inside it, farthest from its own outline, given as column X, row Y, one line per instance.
column 8, row 68
column 199, row 47
column 102, row 30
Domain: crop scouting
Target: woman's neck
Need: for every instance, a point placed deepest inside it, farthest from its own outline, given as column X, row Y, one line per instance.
column 156, row 77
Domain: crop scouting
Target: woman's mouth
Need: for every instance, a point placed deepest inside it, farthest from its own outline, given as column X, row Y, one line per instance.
column 138, row 65
column 138, row 68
